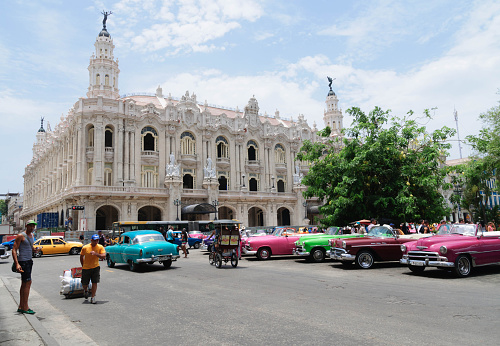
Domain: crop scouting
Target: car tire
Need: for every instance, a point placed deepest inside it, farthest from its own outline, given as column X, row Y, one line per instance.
column 167, row 264
column 38, row 254
column 133, row 266
column 264, row 253
column 74, row 251
column 364, row 259
column 110, row 263
column 234, row 260
column 197, row 245
column 463, row 266
column 416, row 269
column 218, row 260
column 317, row 255
column 211, row 258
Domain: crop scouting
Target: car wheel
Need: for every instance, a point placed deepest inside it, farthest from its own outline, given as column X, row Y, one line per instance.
column 168, row 263
column 211, row 257
column 196, row 245
column 264, row 253
column 416, row 269
column 463, row 266
column 110, row 263
column 133, row 266
column 38, row 254
column 234, row 260
column 74, row 251
column 364, row 259
column 218, row 260
column 317, row 255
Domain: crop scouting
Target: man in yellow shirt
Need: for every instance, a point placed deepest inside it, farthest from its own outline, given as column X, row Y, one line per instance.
column 89, row 258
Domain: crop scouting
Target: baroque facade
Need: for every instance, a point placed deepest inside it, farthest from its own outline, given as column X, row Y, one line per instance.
column 151, row 157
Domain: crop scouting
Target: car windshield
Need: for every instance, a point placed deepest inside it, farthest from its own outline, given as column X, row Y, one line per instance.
column 332, row 230
column 380, row 231
column 464, row 229
column 195, row 232
column 146, row 238
column 281, row 231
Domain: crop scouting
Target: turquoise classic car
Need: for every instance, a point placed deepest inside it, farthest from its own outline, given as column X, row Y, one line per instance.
column 315, row 246
column 139, row 247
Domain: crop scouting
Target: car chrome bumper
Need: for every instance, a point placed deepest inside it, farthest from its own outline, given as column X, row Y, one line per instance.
column 426, row 263
column 300, row 253
column 341, row 255
column 153, row 259
column 249, row 252
column 7, row 255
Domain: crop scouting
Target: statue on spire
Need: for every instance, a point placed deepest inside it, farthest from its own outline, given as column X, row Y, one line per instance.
column 330, row 79
column 106, row 14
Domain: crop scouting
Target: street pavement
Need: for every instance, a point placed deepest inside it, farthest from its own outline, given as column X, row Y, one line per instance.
column 281, row 301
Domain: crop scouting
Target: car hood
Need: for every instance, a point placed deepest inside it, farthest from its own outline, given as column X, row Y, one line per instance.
column 437, row 239
column 327, row 237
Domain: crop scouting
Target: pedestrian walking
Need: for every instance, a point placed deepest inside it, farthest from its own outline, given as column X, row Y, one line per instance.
column 91, row 271
column 24, row 264
column 102, row 238
column 170, row 234
column 184, row 242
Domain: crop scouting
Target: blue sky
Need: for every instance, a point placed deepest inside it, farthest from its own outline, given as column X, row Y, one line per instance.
column 399, row 55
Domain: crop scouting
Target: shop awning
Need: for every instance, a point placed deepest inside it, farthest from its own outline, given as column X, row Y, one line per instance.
column 202, row 208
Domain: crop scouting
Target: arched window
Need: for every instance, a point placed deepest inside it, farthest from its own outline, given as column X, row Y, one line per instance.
column 108, row 174
column 149, row 176
column 281, row 185
column 98, row 79
column 252, row 149
column 106, row 80
column 222, row 147
column 108, row 137
column 253, row 184
column 90, row 139
column 188, row 144
column 90, row 173
column 279, row 154
column 222, row 183
column 187, row 181
column 149, row 139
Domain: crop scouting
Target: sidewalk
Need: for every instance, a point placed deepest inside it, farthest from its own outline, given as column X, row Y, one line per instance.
column 24, row 329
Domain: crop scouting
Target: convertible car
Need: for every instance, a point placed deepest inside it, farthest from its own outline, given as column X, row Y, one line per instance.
column 280, row 242
column 459, row 248
column 382, row 243
column 315, row 246
column 139, row 247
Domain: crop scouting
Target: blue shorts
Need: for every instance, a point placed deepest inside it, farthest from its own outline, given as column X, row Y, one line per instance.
column 27, row 266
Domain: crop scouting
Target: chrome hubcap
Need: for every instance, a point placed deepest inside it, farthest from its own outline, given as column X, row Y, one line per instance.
column 365, row 260
column 464, row 266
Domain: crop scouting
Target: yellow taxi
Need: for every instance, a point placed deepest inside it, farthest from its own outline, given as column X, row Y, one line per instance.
column 56, row 245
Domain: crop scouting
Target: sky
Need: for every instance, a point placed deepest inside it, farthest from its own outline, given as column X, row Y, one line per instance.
column 400, row 55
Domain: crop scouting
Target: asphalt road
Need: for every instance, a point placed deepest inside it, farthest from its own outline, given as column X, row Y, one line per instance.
column 276, row 302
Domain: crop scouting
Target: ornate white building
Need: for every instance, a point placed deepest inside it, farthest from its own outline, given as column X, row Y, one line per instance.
column 151, row 157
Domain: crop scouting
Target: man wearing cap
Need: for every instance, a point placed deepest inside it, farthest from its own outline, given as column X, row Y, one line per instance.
column 89, row 258
column 24, row 264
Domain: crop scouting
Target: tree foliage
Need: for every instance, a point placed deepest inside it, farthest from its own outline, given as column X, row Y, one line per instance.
column 3, row 208
column 383, row 168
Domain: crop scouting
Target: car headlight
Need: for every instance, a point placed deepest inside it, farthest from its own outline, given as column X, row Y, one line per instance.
column 403, row 247
column 344, row 244
column 443, row 250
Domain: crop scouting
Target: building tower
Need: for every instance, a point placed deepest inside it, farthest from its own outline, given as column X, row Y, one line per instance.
column 333, row 115
column 103, row 68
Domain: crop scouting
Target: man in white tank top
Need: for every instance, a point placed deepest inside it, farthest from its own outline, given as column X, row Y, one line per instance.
column 24, row 264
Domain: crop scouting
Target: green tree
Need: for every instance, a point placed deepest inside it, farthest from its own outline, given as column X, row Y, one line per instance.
column 383, row 168
column 3, row 209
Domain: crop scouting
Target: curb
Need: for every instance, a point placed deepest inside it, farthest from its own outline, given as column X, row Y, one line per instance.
column 32, row 320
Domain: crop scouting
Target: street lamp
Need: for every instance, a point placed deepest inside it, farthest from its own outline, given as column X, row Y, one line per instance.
column 215, row 203
column 305, row 211
column 177, row 203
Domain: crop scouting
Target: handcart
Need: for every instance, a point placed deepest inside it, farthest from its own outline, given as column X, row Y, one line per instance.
column 225, row 246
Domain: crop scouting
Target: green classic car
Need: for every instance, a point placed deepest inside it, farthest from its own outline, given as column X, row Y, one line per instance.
column 138, row 247
column 315, row 246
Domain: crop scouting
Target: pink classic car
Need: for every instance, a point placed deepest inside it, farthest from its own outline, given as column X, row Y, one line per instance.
column 280, row 242
column 460, row 248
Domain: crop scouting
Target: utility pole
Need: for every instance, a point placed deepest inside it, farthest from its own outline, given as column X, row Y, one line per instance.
column 458, row 133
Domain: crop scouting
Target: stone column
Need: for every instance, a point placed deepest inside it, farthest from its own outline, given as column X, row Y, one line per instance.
column 119, row 146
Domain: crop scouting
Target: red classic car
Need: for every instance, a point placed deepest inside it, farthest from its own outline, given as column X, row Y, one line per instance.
column 280, row 242
column 460, row 248
column 382, row 243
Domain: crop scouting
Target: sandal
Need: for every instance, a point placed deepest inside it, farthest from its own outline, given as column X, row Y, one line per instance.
column 29, row 311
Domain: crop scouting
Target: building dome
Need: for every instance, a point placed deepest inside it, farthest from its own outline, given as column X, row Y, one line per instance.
column 331, row 93
column 104, row 32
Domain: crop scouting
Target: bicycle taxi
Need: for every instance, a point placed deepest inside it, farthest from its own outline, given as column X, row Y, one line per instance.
column 225, row 246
